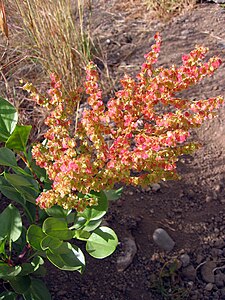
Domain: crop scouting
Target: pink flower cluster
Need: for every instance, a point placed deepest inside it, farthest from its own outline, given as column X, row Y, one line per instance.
column 135, row 139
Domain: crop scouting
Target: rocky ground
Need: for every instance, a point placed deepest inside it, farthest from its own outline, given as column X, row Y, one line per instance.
column 191, row 210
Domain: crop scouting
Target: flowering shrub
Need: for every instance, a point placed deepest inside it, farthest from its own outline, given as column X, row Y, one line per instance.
column 135, row 139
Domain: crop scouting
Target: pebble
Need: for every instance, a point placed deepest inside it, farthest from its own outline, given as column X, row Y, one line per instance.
column 207, row 271
column 185, row 259
column 189, row 272
column 155, row 187
column 163, row 240
column 219, row 279
column 130, row 249
column 209, row 286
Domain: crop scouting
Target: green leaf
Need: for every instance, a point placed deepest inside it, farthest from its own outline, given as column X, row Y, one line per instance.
column 7, row 158
column 82, row 235
column 8, row 119
column 31, row 267
column 26, row 186
column 41, row 271
column 7, row 272
column 34, row 236
column 37, row 291
column 57, row 211
column 98, row 211
column 57, row 228
column 18, row 139
column 102, row 242
column 10, row 192
column 8, row 296
column 20, row 284
column 51, row 243
column 67, row 257
column 92, row 225
column 113, row 195
column 2, row 246
column 11, row 224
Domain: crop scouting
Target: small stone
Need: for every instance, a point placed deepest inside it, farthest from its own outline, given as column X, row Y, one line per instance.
column 189, row 272
column 130, row 249
column 216, row 252
column 163, row 240
column 219, row 244
column 209, row 286
column 219, row 279
column 207, row 271
column 185, row 259
column 108, row 41
column 155, row 187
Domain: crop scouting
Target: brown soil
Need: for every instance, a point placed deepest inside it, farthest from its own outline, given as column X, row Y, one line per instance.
column 190, row 210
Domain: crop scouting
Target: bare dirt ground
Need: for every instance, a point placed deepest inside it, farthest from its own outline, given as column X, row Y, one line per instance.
column 190, row 210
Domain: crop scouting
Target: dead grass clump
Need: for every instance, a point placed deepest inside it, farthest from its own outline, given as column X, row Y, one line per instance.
column 57, row 36
column 166, row 9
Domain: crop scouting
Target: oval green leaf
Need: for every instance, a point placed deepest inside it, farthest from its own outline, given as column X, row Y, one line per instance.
column 57, row 228
column 37, row 291
column 34, row 236
column 7, row 272
column 8, row 119
column 7, row 158
column 20, row 284
column 98, row 211
column 50, row 243
column 102, row 242
column 18, row 139
column 67, row 257
column 11, row 224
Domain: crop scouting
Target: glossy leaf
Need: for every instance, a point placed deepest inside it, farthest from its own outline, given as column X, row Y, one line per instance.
column 7, row 272
column 98, row 211
column 34, row 236
column 8, row 119
column 92, row 225
column 57, row 228
column 10, row 192
column 26, row 186
column 2, row 246
column 18, row 139
column 7, row 158
column 8, row 295
column 11, row 224
column 37, row 291
column 20, row 284
column 31, row 267
column 57, row 211
column 102, row 242
column 67, row 257
column 51, row 243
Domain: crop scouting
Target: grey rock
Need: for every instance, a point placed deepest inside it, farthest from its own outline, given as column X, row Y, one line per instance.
column 207, row 271
column 219, row 279
column 209, row 286
column 130, row 249
column 163, row 240
column 189, row 272
column 185, row 259
column 216, row 252
column 155, row 187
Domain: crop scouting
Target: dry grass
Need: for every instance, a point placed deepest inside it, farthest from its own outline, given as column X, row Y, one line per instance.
column 56, row 36
column 166, row 9
column 44, row 37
